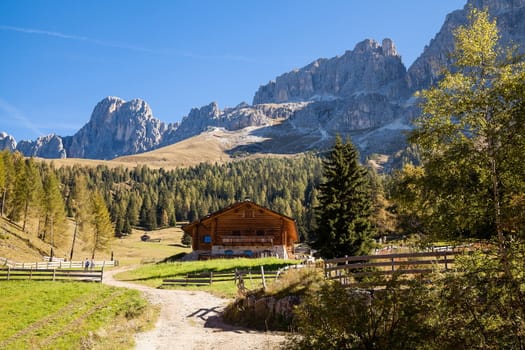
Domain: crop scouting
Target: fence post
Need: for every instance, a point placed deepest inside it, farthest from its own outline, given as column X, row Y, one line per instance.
column 392, row 261
column 446, row 262
column 263, row 278
column 54, row 271
column 31, row 272
column 8, row 272
column 211, row 277
column 101, row 274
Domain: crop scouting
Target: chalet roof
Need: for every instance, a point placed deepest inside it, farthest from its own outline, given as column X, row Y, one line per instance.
column 233, row 207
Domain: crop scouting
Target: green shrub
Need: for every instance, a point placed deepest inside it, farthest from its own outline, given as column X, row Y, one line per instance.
column 340, row 318
column 481, row 305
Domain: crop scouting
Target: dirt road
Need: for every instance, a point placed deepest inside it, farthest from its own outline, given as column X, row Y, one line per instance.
column 191, row 320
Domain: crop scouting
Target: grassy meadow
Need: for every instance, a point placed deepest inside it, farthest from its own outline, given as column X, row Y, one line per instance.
column 153, row 274
column 70, row 315
column 130, row 250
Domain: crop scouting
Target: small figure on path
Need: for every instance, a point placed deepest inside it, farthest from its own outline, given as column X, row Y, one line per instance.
column 86, row 264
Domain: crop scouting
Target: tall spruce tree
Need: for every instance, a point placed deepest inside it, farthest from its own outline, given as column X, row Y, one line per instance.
column 345, row 205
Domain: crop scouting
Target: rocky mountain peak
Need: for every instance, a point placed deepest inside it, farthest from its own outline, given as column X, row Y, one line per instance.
column 7, row 142
column 496, row 6
column 106, row 108
column 509, row 14
column 388, row 47
column 369, row 68
column 49, row 146
column 116, row 128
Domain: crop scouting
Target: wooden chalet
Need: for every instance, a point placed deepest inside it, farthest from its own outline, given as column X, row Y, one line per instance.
column 243, row 229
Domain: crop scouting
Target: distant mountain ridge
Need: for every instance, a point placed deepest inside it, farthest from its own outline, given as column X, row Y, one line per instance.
column 364, row 93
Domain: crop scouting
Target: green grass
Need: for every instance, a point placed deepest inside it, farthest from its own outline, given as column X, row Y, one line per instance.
column 152, row 275
column 69, row 315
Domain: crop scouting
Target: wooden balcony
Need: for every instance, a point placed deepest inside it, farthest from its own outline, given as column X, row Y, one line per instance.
column 245, row 240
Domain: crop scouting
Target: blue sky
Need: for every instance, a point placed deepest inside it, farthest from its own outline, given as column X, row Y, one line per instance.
column 59, row 58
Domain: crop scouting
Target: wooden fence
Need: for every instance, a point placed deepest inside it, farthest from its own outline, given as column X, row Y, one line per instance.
column 10, row 273
column 210, row 277
column 349, row 270
column 55, row 264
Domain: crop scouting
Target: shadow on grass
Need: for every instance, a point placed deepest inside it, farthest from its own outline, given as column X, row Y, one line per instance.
column 173, row 258
column 179, row 245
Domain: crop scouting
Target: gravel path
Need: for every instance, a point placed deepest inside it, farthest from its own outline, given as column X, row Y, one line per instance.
column 191, row 320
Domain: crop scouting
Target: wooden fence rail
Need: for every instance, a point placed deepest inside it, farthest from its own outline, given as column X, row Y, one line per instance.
column 207, row 278
column 347, row 269
column 10, row 273
column 46, row 265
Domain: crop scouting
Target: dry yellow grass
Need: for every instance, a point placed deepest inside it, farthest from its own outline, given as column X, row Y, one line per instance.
column 209, row 147
column 22, row 246
column 203, row 148
column 131, row 250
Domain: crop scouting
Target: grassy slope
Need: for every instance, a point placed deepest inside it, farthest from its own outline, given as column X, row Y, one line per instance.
column 22, row 246
column 18, row 245
column 70, row 315
column 208, row 147
column 189, row 152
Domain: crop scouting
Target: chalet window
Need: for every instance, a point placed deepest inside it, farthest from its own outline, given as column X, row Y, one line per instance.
column 236, row 233
column 206, row 239
column 259, row 232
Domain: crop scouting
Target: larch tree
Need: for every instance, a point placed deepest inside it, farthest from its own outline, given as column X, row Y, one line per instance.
column 345, row 205
column 20, row 194
column 54, row 211
column 2, row 180
column 34, row 192
column 81, row 208
column 470, row 135
column 101, row 224
column 8, row 180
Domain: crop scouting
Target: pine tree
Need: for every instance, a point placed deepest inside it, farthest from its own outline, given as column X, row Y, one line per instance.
column 343, row 214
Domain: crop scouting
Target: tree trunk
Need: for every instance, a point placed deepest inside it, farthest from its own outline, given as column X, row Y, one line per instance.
column 74, row 239
column 3, row 201
column 25, row 216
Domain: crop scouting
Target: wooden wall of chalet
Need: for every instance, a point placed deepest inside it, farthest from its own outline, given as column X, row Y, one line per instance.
column 244, row 221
